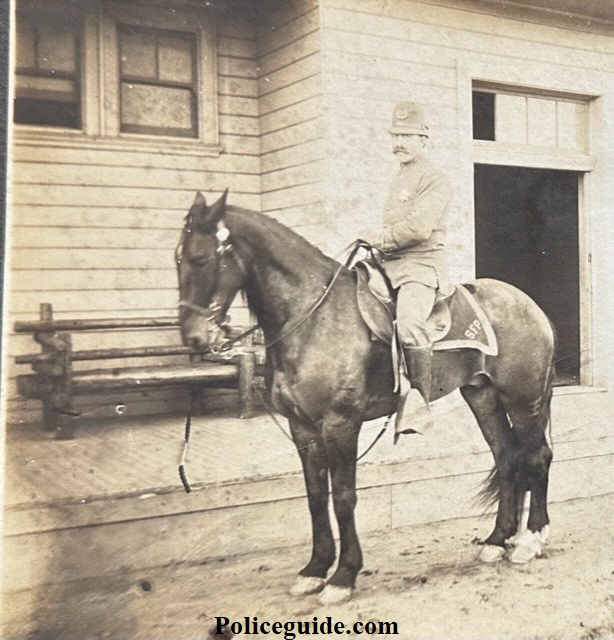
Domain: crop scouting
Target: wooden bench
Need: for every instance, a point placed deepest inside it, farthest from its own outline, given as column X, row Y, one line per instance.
column 55, row 382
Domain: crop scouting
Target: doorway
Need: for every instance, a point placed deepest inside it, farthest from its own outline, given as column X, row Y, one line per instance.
column 526, row 234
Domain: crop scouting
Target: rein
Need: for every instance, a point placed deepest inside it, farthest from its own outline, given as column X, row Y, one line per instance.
column 353, row 248
column 210, row 314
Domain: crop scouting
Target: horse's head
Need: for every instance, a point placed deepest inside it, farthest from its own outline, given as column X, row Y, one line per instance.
column 210, row 274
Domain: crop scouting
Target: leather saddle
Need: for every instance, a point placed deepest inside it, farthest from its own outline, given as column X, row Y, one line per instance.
column 456, row 321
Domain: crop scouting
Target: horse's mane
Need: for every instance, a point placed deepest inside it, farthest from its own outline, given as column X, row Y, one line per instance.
column 272, row 227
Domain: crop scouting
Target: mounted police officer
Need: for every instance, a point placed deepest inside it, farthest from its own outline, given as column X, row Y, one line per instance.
column 411, row 246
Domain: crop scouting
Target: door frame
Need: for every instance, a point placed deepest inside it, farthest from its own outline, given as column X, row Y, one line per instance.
column 474, row 152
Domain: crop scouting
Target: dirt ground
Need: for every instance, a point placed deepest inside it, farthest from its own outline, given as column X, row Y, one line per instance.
column 425, row 578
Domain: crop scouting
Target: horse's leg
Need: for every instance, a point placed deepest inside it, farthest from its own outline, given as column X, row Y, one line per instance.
column 529, row 423
column 486, row 405
column 312, row 452
column 341, row 438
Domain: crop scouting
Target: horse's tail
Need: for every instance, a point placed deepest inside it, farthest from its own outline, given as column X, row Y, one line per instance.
column 488, row 495
column 547, row 407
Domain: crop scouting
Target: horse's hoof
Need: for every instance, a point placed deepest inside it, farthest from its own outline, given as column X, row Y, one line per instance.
column 528, row 545
column 335, row 595
column 304, row 585
column 491, row 553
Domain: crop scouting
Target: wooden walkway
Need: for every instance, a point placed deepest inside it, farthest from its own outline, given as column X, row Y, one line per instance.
column 112, row 498
column 125, row 455
column 115, row 456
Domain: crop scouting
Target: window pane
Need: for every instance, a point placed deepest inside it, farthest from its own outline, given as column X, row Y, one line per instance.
column 138, row 53
column 511, row 119
column 175, row 58
column 47, row 101
column 161, row 110
column 25, row 45
column 56, row 49
column 541, row 122
column 52, row 113
column 483, row 115
column 571, row 125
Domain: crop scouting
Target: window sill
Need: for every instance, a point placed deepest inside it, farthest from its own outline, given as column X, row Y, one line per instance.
column 69, row 138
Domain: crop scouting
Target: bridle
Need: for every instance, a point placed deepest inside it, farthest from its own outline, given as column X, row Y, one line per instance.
column 225, row 247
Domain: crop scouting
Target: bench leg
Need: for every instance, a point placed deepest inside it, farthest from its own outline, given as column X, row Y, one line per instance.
column 49, row 415
column 247, row 370
column 66, row 425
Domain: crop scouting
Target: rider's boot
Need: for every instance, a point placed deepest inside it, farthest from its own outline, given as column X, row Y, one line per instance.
column 413, row 413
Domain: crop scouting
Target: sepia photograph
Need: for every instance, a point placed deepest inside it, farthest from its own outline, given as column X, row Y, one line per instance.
column 308, row 320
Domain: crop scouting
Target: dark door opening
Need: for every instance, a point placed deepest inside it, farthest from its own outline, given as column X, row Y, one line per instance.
column 526, row 233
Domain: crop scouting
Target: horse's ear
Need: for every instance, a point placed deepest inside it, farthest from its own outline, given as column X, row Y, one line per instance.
column 208, row 217
column 218, row 208
column 215, row 212
column 200, row 199
column 198, row 210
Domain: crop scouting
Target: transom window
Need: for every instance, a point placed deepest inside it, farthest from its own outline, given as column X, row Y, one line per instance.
column 551, row 122
column 47, row 81
column 158, row 82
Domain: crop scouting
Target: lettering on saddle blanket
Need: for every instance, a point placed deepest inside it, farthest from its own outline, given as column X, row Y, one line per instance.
column 456, row 322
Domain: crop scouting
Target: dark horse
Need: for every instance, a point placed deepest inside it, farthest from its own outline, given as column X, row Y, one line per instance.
column 327, row 376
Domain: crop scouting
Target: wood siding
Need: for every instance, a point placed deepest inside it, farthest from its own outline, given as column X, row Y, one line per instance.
column 291, row 121
column 95, row 222
column 375, row 54
column 305, row 92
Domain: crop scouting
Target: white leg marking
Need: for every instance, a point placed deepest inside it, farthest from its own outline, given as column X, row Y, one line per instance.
column 544, row 534
column 491, row 553
column 304, row 585
column 335, row 595
column 528, row 545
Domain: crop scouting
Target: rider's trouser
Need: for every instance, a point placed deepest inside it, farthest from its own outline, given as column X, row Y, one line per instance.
column 414, row 304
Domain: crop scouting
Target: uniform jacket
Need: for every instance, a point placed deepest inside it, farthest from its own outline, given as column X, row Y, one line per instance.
column 414, row 228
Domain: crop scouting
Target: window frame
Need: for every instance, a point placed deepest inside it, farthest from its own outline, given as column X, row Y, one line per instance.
column 99, row 80
column 31, row 14
column 166, row 18
column 157, row 82
column 511, row 153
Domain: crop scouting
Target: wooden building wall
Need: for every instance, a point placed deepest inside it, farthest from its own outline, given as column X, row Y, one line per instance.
column 94, row 224
column 291, row 119
column 371, row 60
column 377, row 53
column 305, row 94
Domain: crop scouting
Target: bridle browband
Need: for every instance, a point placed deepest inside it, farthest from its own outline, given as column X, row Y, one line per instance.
column 224, row 247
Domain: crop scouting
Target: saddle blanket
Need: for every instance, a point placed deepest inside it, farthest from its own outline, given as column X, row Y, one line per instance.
column 456, row 322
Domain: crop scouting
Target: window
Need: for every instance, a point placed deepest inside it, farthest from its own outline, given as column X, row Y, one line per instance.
column 47, row 81
column 540, row 120
column 483, row 115
column 158, row 84
column 111, row 72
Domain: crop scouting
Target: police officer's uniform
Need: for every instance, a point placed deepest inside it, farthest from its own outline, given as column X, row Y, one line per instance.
column 413, row 257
